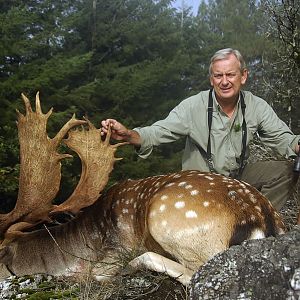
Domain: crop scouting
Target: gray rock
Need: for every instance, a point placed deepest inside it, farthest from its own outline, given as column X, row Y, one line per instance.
column 257, row 269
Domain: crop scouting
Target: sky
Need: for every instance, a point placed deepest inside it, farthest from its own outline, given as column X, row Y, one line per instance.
column 193, row 3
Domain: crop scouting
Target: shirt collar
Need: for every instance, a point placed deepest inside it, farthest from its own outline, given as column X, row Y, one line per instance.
column 218, row 107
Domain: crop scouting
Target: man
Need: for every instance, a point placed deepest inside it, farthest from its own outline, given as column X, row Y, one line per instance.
column 218, row 126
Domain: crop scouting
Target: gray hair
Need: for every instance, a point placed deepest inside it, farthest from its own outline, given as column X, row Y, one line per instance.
column 223, row 54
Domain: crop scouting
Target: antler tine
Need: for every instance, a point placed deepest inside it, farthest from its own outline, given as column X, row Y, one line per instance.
column 63, row 131
column 108, row 135
column 90, row 124
column 27, row 103
column 38, row 103
column 120, row 144
column 38, row 107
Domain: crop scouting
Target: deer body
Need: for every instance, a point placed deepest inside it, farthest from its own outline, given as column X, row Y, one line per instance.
column 177, row 221
column 188, row 217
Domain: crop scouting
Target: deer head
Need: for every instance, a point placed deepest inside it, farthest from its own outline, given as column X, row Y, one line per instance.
column 40, row 170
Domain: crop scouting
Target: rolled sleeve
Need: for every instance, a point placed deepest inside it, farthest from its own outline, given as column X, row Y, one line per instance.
column 275, row 133
column 146, row 147
column 292, row 145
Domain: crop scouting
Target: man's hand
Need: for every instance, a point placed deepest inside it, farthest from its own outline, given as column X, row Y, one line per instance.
column 119, row 132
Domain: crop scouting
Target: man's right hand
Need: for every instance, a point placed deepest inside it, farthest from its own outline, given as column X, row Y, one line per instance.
column 119, row 132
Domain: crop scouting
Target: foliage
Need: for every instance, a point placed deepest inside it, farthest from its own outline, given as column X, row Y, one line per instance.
column 38, row 287
column 282, row 65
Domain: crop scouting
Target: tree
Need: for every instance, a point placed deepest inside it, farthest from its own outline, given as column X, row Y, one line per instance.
column 283, row 67
column 238, row 25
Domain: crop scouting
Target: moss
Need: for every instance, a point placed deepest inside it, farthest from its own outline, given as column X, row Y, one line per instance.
column 47, row 285
column 47, row 295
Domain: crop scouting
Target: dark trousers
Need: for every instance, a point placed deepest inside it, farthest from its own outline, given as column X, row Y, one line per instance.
column 274, row 179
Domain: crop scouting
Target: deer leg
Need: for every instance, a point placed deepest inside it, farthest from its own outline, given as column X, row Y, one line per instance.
column 108, row 267
column 158, row 263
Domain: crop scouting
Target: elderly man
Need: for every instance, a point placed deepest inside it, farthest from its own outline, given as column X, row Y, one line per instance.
column 218, row 125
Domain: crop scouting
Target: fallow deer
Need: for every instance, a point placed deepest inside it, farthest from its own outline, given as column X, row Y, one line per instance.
column 179, row 220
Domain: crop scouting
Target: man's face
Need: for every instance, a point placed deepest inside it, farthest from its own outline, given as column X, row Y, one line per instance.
column 227, row 79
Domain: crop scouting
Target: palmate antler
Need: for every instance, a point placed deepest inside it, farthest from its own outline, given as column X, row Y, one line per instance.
column 40, row 170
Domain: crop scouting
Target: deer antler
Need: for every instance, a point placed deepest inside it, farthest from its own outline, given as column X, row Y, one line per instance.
column 40, row 170
column 97, row 158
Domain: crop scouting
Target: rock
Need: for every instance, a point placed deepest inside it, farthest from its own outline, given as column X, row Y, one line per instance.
column 258, row 269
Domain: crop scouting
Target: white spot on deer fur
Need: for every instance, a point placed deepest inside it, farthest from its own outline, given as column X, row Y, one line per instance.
column 162, row 207
column 179, row 204
column 240, row 190
column 189, row 186
column 194, row 192
column 191, row 214
column 134, row 205
column 127, row 202
column 177, row 176
column 182, row 183
column 211, row 183
column 252, row 198
column 257, row 208
column 257, row 234
column 243, row 222
column 229, row 185
column 209, row 191
column 253, row 218
column 180, row 195
column 205, row 203
column 164, row 197
column 125, row 211
column 232, row 194
column 155, row 190
column 119, row 224
column 245, row 205
column 164, row 223
column 152, row 214
column 208, row 177
column 170, row 184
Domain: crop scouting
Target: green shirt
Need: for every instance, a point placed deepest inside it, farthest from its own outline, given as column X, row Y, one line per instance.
column 189, row 119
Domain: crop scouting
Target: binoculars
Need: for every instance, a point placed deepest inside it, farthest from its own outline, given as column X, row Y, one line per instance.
column 297, row 161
